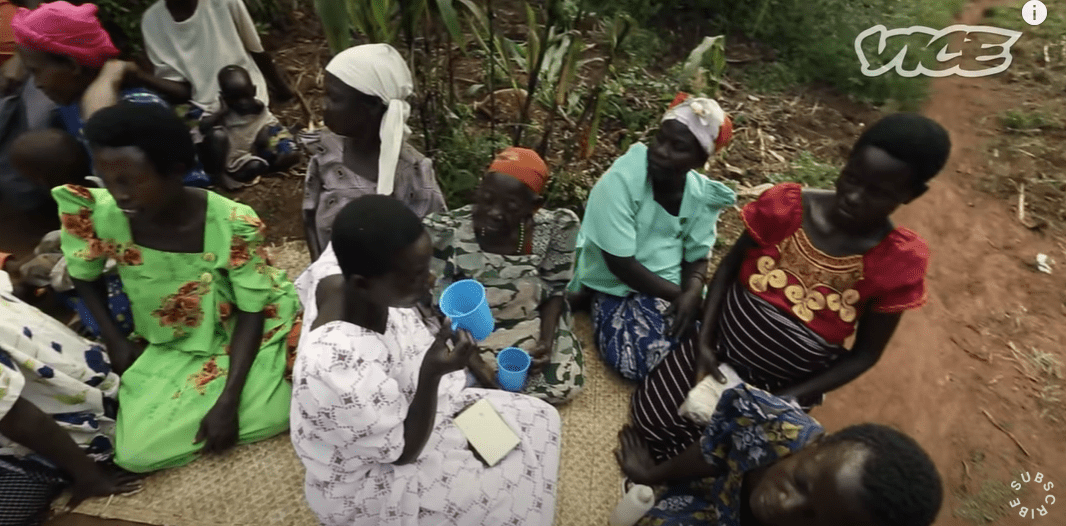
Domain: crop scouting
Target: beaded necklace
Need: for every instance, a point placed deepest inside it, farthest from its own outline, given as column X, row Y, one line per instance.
column 521, row 237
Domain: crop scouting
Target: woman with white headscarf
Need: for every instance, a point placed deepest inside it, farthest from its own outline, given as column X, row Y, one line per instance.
column 648, row 230
column 365, row 149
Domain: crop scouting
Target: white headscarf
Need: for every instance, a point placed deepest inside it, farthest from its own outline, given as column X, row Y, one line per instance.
column 706, row 120
column 379, row 70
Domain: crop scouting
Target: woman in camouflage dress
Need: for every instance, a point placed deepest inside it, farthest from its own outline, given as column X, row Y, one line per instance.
column 523, row 255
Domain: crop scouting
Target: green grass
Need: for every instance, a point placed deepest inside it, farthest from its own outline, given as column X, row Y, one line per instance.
column 769, row 77
column 809, row 171
column 1023, row 120
column 1010, row 17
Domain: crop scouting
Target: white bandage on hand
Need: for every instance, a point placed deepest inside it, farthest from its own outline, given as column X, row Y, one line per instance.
column 703, row 399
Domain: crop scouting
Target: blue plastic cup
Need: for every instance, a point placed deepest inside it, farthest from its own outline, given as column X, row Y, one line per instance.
column 512, row 366
column 465, row 303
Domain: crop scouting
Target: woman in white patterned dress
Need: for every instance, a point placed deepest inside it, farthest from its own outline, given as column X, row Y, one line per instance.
column 375, row 395
column 57, row 413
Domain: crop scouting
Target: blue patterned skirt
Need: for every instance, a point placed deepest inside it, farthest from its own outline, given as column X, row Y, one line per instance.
column 631, row 332
column 117, row 302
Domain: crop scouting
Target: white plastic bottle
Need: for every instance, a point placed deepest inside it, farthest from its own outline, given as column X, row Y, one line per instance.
column 636, row 502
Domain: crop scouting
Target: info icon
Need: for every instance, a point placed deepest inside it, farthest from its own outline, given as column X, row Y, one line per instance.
column 1034, row 12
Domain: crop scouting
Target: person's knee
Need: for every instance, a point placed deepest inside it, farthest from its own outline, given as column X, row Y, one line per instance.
column 213, row 150
column 286, row 160
column 569, row 392
column 217, row 140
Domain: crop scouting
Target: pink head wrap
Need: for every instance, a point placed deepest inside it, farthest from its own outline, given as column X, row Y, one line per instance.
column 65, row 29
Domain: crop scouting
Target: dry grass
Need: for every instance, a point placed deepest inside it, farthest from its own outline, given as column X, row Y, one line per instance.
column 986, row 505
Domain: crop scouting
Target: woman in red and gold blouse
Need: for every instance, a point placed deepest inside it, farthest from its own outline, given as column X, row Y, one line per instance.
column 812, row 268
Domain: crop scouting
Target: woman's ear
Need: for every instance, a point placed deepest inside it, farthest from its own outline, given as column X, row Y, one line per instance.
column 76, row 69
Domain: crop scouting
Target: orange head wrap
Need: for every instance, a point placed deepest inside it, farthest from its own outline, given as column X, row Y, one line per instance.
column 522, row 164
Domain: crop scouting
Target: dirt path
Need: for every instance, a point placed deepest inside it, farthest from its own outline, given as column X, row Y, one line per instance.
column 951, row 362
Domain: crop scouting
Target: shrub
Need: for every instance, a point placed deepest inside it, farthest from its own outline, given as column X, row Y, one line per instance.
column 463, row 155
column 815, row 39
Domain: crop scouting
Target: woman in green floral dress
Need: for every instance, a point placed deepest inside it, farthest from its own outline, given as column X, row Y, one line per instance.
column 212, row 316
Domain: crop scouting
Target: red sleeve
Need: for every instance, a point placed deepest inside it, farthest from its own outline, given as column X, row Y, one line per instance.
column 897, row 266
column 775, row 215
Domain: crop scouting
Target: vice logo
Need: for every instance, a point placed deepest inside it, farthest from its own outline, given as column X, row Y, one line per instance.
column 988, row 58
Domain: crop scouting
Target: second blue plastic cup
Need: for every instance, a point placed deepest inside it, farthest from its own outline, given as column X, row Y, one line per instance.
column 512, row 366
column 465, row 303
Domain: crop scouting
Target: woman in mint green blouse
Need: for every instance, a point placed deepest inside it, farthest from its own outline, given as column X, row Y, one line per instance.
column 214, row 317
column 649, row 226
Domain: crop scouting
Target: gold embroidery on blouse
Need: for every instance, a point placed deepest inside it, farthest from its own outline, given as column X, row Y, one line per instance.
column 812, row 268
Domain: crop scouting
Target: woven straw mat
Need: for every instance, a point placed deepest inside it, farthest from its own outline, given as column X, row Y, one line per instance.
column 262, row 484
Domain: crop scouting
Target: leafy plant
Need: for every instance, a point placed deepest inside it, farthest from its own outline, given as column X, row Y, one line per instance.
column 386, row 20
column 617, row 31
column 464, row 154
column 702, row 71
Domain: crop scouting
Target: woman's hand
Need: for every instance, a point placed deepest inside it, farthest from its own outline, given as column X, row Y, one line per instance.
column 220, row 428
column 635, row 459
column 541, row 356
column 101, row 482
column 684, row 309
column 484, row 371
column 123, row 353
column 440, row 360
column 706, row 360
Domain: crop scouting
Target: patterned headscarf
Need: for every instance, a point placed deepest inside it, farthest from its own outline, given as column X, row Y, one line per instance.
column 379, row 70
column 705, row 119
column 522, row 164
column 65, row 29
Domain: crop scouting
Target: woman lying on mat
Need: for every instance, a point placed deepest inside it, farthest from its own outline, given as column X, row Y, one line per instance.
column 215, row 315
column 648, row 229
column 523, row 256
column 376, row 394
column 762, row 461
column 812, row 268
column 57, row 414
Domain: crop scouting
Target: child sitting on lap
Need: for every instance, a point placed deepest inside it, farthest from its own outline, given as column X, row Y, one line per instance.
column 243, row 139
